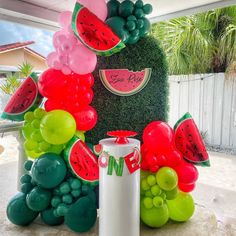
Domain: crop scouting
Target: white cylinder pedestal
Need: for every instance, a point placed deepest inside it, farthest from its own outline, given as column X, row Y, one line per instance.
column 119, row 196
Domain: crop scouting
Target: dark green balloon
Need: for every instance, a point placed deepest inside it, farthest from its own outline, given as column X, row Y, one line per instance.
column 18, row 212
column 139, row 13
column 82, row 215
column 27, row 165
column 147, row 9
column 140, row 23
column 118, row 26
column 26, row 187
column 133, row 39
column 146, row 27
column 126, row 8
column 25, row 178
column 130, row 25
column 49, row 170
column 49, row 218
column 112, row 8
column 139, row 4
column 38, row 199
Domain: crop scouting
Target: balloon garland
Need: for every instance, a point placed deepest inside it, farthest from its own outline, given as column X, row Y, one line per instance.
column 61, row 183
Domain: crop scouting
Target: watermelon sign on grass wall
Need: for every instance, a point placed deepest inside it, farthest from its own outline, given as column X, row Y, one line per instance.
column 124, row 82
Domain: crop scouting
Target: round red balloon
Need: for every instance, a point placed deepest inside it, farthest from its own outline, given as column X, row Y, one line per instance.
column 52, row 104
column 174, row 157
column 86, row 97
column 86, row 118
column 186, row 187
column 85, row 80
column 151, row 159
column 52, row 84
column 158, row 136
column 187, row 173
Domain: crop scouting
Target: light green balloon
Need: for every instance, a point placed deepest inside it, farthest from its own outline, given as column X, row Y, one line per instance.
column 181, row 208
column 80, row 135
column 27, row 130
column 154, row 217
column 57, row 127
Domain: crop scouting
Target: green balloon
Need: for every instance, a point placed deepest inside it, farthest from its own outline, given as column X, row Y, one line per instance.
column 112, row 8
column 49, row 218
column 18, row 212
column 139, row 13
column 38, row 199
column 139, row 4
column 80, row 135
column 26, row 188
column 26, row 178
column 172, row 194
column 49, row 170
column 154, row 217
column 57, row 127
column 118, row 26
column 27, row 165
column 130, row 25
column 82, row 215
column 140, row 23
column 182, row 207
column 132, row 18
column 135, row 33
column 146, row 27
column 27, row 130
column 29, row 116
column 133, row 39
column 167, row 178
column 147, row 9
column 126, row 8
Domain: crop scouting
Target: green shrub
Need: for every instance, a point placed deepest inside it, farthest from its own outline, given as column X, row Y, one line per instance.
column 136, row 111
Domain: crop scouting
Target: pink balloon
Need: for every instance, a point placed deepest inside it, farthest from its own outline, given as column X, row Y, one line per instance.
column 82, row 60
column 64, row 19
column 58, row 38
column 66, row 70
column 53, row 61
column 99, row 8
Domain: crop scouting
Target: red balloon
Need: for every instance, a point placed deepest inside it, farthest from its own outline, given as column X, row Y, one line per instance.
column 144, row 165
column 187, row 173
column 174, row 157
column 151, row 159
column 86, row 118
column 52, row 84
column 85, row 80
column 52, row 104
column 158, row 136
column 186, row 187
column 144, row 149
column 86, row 97
column 154, row 169
column 161, row 160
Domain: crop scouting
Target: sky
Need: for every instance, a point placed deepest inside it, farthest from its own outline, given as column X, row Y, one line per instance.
column 13, row 32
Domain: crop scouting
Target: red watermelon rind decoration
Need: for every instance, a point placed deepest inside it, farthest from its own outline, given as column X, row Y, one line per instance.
column 94, row 33
column 81, row 161
column 123, row 82
column 26, row 98
column 189, row 142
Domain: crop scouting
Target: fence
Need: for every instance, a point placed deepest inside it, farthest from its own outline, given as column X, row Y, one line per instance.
column 211, row 99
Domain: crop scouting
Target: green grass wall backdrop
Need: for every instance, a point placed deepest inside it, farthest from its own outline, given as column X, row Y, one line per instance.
column 136, row 111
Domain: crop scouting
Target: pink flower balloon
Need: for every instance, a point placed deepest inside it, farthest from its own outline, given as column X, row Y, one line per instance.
column 99, row 8
column 64, row 19
column 82, row 60
column 58, row 38
column 51, row 58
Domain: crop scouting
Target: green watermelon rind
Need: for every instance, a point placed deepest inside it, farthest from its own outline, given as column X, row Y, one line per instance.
column 35, row 104
column 187, row 116
column 109, row 52
column 66, row 155
column 147, row 75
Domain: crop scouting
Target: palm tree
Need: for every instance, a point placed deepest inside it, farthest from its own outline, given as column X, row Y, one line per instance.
column 12, row 82
column 201, row 43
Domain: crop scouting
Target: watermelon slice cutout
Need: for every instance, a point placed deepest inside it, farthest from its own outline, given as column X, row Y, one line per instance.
column 26, row 98
column 189, row 142
column 124, row 82
column 94, row 33
column 81, row 160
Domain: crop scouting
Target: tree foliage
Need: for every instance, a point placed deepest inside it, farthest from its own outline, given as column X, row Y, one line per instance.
column 201, row 43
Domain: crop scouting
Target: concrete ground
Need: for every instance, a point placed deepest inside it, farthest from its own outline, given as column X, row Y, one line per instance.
column 215, row 198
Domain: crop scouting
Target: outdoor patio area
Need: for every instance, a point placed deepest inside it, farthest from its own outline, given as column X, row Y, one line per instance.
column 214, row 196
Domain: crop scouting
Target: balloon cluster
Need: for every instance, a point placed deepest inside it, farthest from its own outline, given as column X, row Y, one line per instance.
column 127, row 19
column 70, row 54
column 158, row 197
column 72, row 93
column 34, row 144
column 48, row 190
column 159, row 150
column 47, row 131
